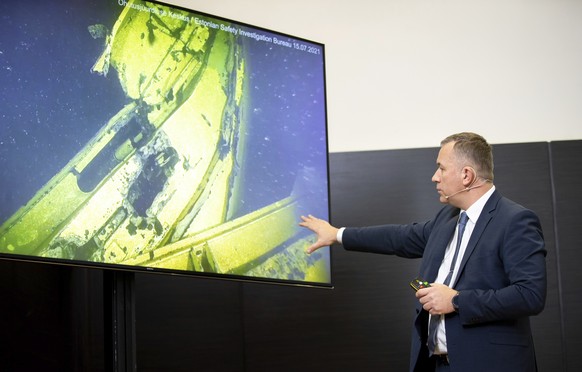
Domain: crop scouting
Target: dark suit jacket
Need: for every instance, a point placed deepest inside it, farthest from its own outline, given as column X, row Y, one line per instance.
column 502, row 281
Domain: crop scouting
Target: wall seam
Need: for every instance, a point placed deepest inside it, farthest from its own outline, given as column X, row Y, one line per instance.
column 558, row 261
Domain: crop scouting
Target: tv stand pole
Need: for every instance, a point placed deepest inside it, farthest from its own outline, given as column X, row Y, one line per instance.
column 119, row 311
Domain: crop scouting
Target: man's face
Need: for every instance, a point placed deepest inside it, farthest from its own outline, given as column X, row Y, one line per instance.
column 448, row 176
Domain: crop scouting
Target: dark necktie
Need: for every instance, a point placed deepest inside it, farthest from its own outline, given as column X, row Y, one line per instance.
column 434, row 320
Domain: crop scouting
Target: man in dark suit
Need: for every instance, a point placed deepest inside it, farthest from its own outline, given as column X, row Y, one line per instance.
column 486, row 278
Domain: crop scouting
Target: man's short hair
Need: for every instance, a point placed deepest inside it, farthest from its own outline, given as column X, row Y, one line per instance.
column 475, row 151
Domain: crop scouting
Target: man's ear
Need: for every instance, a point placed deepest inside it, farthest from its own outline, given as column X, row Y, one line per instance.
column 469, row 176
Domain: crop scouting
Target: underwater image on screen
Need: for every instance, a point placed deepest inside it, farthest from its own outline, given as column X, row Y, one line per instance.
column 151, row 137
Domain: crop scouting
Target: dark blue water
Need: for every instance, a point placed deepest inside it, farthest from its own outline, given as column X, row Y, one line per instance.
column 51, row 104
column 286, row 122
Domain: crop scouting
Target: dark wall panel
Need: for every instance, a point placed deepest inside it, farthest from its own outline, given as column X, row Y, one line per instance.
column 50, row 318
column 379, row 186
column 188, row 324
column 567, row 171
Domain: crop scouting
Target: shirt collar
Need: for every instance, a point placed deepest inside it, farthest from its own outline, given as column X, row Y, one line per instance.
column 474, row 211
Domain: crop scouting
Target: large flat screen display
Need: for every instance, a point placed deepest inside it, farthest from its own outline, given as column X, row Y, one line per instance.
column 139, row 135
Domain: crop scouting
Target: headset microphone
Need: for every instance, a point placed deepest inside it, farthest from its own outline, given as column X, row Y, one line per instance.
column 458, row 192
column 466, row 189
